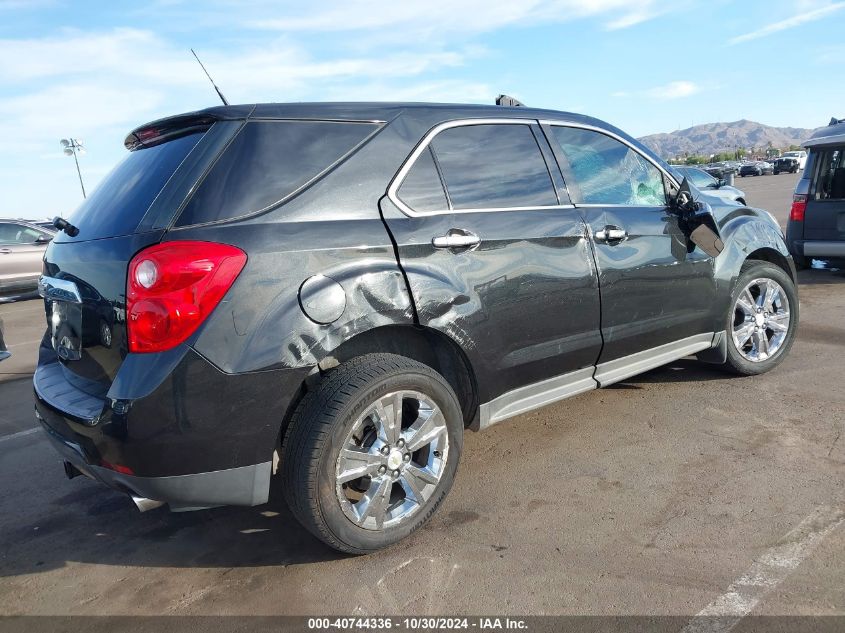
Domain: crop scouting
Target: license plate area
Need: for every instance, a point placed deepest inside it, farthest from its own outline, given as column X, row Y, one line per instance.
column 63, row 306
column 66, row 329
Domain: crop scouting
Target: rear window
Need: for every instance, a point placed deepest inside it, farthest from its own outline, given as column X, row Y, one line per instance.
column 120, row 201
column 267, row 162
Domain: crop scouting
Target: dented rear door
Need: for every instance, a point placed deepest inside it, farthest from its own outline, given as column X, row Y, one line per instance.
column 496, row 259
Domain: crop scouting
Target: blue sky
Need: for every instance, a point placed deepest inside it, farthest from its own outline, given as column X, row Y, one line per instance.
column 94, row 70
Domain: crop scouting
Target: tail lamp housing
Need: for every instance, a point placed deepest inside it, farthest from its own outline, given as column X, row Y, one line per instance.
column 172, row 288
column 799, row 207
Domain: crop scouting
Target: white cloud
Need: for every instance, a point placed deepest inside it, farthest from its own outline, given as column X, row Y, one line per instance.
column 672, row 90
column 457, row 15
column 803, row 17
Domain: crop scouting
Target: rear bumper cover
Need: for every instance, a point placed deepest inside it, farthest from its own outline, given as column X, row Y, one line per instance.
column 246, row 485
column 818, row 248
column 193, row 436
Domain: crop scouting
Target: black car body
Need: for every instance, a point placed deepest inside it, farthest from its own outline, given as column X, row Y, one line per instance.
column 816, row 227
column 498, row 247
column 757, row 168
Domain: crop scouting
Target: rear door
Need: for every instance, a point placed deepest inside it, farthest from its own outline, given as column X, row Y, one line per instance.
column 657, row 293
column 825, row 216
column 496, row 256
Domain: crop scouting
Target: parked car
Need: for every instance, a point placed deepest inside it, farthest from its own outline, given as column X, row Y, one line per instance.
column 786, row 164
column 341, row 311
column 22, row 246
column 801, row 156
column 816, row 226
column 4, row 351
column 756, row 168
column 706, row 183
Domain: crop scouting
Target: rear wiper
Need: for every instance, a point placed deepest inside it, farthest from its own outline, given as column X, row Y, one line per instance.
column 63, row 225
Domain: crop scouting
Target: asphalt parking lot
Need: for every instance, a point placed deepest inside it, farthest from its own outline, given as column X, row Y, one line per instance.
column 681, row 491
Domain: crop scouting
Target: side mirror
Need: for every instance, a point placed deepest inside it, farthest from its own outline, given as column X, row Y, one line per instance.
column 43, row 239
column 720, row 183
column 697, row 221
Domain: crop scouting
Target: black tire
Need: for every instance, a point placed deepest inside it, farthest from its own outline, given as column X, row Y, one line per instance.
column 322, row 422
column 775, row 173
column 751, row 270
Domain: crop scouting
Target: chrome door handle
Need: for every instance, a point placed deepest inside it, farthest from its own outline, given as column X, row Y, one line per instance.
column 5, row 251
column 456, row 238
column 611, row 234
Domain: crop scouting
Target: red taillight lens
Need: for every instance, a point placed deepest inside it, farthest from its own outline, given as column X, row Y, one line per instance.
column 799, row 207
column 173, row 287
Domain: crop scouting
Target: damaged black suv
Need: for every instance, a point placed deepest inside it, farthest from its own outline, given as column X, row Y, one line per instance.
column 335, row 292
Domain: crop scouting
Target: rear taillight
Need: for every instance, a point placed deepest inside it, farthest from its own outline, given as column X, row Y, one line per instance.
column 799, row 207
column 171, row 289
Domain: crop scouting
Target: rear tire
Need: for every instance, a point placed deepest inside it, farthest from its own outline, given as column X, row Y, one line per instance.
column 357, row 476
column 762, row 320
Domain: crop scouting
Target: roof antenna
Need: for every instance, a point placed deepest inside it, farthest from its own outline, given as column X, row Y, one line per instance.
column 219, row 94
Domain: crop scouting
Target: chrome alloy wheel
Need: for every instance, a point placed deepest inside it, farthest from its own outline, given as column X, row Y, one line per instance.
column 761, row 320
column 392, row 460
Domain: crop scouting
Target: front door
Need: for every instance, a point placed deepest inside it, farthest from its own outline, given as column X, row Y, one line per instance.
column 495, row 259
column 657, row 293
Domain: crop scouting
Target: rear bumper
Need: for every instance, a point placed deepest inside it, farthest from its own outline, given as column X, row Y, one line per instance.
column 819, row 248
column 199, row 438
column 247, row 485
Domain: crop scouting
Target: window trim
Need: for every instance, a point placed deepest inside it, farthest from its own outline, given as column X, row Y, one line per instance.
column 617, row 137
column 396, row 183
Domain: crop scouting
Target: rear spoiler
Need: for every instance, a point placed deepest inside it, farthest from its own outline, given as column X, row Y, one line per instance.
column 167, row 129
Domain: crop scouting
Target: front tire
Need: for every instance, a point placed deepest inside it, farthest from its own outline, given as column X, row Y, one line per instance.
column 763, row 319
column 371, row 452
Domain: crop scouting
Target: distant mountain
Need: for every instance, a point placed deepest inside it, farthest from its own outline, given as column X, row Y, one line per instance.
column 712, row 138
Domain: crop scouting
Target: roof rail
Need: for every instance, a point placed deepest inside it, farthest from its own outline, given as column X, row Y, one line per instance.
column 507, row 100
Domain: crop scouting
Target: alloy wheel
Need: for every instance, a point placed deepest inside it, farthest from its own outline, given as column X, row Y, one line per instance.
column 761, row 320
column 392, row 460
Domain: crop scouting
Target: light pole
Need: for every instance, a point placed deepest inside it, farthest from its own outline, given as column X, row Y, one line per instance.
column 72, row 147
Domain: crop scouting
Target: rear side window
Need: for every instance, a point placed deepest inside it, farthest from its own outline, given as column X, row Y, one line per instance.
column 120, row 201
column 607, row 171
column 830, row 184
column 493, row 166
column 422, row 190
column 266, row 163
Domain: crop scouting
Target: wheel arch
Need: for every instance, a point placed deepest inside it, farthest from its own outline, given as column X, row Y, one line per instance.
column 773, row 256
column 422, row 344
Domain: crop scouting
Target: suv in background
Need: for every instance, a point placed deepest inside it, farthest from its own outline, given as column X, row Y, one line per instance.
column 22, row 246
column 800, row 156
column 335, row 292
column 788, row 164
column 816, row 226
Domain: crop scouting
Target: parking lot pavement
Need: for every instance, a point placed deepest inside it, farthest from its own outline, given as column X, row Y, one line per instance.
column 670, row 493
column 772, row 193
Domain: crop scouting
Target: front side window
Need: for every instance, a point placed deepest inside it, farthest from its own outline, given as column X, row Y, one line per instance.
column 607, row 171
column 493, row 166
column 831, row 180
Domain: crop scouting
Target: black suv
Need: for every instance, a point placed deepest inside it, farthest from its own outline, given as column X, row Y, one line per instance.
column 816, row 227
column 337, row 291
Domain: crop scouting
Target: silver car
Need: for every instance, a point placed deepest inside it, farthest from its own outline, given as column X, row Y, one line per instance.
column 22, row 246
column 711, row 186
